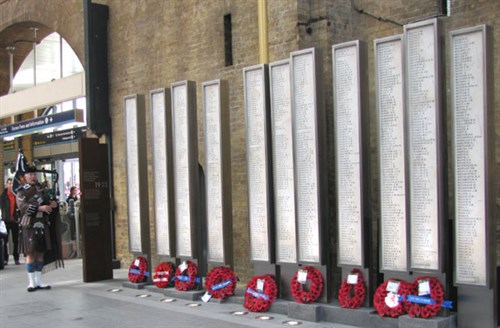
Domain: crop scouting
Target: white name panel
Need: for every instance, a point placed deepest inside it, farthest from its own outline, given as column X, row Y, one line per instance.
column 305, row 131
column 284, row 183
column 161, row 131
column 347, row 109
column 133, row 190
column 181, row 170
column 423, row 119
column 470, row 144
column 256, row 134
column 391, row 131
column 213, row 173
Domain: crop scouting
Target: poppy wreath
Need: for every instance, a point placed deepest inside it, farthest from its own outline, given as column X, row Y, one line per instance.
column 192, row 272
column 428, row 310
column 163, row 275
column 221, row 282
column 297, row 289
column 138, row 273
column 382, row 296
column 256, row 301
column 356, row 300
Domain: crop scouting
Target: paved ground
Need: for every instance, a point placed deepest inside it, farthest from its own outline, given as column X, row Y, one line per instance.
column 71, row 304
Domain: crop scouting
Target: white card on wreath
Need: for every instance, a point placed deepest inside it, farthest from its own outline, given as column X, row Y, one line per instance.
column 260, row 285
column 183, row 266
column 392, row 286
column 136, row 262
column 352, row 279
column 424, row 287
column 302, row 276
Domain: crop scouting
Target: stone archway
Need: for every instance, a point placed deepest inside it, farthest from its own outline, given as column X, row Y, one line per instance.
column 20, row 36
column 16, row 19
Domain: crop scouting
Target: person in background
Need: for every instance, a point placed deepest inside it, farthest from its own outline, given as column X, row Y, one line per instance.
column 10, row 215
column 73, row 194
column 71, row 200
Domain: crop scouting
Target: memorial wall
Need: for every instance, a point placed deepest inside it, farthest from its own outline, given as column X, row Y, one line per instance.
column 406, row 194
column 285, row 154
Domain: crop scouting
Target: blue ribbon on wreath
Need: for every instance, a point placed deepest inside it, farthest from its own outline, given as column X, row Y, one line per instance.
column 257, row 294
column 187, row 279
column 136, row 271
column 426, row 300
column 221, row 285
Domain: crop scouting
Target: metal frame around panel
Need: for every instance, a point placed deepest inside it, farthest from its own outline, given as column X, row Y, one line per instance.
column 376, row 43
column 489, row 149
column 320, row 146
column 268, row 167
column 440, row 140
column 224, row 170
column 192, row 136
column 363, row 139
column 167, row 114
column 275, row 162
column 142, row 200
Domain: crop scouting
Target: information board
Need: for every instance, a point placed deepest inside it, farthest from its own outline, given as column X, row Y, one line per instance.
column 95, row 230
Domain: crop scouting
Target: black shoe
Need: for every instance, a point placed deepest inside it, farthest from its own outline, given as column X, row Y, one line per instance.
column 44, row 287
column 17, row 263
column 31, row 289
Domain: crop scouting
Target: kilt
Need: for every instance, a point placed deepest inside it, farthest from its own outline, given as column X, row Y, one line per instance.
column 27, row 237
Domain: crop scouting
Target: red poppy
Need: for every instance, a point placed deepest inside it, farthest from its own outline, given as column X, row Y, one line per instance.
column 137, row 270
column 164, row 274
column 351, row 300
column 436, row 294
column 387, row 302
column 315, row 290
column 260, row 300
column 221, row 282
column 188, row 282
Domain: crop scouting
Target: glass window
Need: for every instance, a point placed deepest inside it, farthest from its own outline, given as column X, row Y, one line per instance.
column 53, row 54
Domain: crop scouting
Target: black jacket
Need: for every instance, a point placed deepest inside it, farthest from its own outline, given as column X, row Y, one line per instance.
column 5, row 208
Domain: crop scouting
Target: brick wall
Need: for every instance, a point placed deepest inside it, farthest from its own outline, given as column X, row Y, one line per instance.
column 155, row 43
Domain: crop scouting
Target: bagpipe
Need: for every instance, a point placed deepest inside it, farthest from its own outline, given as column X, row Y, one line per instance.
column 23, row 167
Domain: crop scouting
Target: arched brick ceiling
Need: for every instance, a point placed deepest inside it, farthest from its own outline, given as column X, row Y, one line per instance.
column 16, row 35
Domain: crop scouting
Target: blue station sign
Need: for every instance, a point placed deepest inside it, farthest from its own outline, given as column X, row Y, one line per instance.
column 41, row 123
